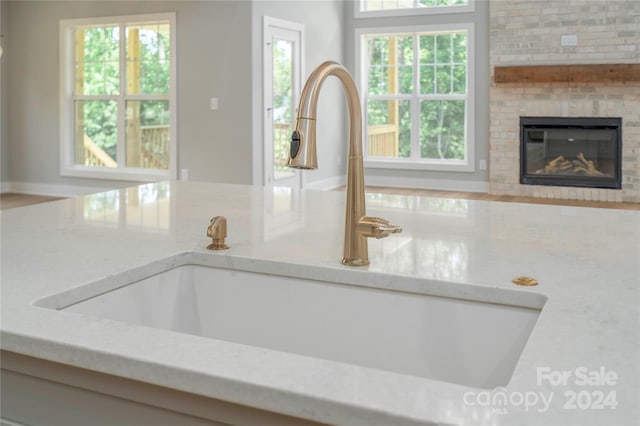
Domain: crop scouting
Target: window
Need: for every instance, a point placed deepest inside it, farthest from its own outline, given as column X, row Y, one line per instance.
column 418, row 103
column 118, row 97
column 376, row 8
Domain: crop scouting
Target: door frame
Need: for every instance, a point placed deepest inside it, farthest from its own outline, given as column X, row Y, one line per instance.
column 269, row 24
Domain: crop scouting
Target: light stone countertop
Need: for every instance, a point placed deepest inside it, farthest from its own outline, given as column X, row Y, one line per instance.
column 587, row 262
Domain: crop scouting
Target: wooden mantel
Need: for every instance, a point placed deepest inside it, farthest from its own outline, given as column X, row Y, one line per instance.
column 586, row 73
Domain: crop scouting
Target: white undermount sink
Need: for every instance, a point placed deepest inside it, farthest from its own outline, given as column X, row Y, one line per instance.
column 466, row 342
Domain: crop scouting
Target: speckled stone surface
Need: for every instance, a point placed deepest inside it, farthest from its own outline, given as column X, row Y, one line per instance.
column 586, row 260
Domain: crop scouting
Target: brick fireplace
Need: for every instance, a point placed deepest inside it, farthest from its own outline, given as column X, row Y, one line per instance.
column 524, row 33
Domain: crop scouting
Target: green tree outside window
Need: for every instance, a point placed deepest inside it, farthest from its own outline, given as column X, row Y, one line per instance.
column 423, row 74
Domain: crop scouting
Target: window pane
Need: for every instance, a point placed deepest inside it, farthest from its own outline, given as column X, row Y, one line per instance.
column 459, row 79
column 427, row 49
column 378, row 60
column 442, row 129
column 283, row 109
column 405, row 49
column 427, row 61
column 390, row 60
column 386, row 4
column 147, row 134
column 427, row 80
column 443, row 48
column 459, row 48
column 405, row 79
column 451, row 67
column 96, row 131
column 403, row 63
column 407, row 4
column 377, row 48
column 389, row 128
column 404, row 129
column 148, row 65
column 378, row 80
column 443, row 79
column 436, row 3
column 97, row 55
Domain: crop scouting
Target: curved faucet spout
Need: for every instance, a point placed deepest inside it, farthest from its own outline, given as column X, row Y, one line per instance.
column 305, row 129
column 303, row 155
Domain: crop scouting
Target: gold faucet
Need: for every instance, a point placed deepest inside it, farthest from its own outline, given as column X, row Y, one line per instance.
column 358, row 226
column 217, row 230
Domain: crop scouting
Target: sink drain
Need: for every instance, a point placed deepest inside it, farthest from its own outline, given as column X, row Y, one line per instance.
column 526, row 281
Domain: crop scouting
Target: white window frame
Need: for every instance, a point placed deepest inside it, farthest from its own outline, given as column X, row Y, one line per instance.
column 67, row 97
column 432, row 10
column 416, row 163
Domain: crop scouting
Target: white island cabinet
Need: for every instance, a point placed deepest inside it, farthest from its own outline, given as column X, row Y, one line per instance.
column 98, row 329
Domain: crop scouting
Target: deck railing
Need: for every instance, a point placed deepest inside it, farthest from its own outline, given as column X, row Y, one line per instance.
column 383, row 140
column 154, row 150
column 281, row 141
column 154, row 147
column 96, row 156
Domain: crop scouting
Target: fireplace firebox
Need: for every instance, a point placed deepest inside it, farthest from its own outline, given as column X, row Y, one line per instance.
column 564, row 151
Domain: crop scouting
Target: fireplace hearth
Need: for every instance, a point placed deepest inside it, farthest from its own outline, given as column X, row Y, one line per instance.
column 564, row 151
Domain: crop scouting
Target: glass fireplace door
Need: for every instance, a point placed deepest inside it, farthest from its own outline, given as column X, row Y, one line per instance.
column 570, row 151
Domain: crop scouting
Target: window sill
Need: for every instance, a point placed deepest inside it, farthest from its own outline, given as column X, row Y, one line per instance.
column 427, row 165
column 133, row 175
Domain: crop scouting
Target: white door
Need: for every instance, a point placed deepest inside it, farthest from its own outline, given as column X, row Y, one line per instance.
column 283, row 60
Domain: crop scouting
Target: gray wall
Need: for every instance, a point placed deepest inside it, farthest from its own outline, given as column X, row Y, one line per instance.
column 219, row 55
column 214, row 59
column 480, row 18
column 323, row 22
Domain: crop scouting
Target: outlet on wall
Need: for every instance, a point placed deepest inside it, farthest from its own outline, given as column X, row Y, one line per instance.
column 184, row 174
column 482, row 164
column 569, row 40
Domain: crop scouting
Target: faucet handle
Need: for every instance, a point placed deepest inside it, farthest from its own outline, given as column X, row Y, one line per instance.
column 217, row 230
column 377, row 227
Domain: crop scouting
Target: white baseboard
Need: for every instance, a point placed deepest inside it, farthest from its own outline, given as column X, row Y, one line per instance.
column 326, row 184
column 434, row 184
column 51, row 190
column 403, row 182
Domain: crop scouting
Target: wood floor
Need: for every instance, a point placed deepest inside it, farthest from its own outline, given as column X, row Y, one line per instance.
column 504, row 198
column 9, row 200
column 12, row 200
